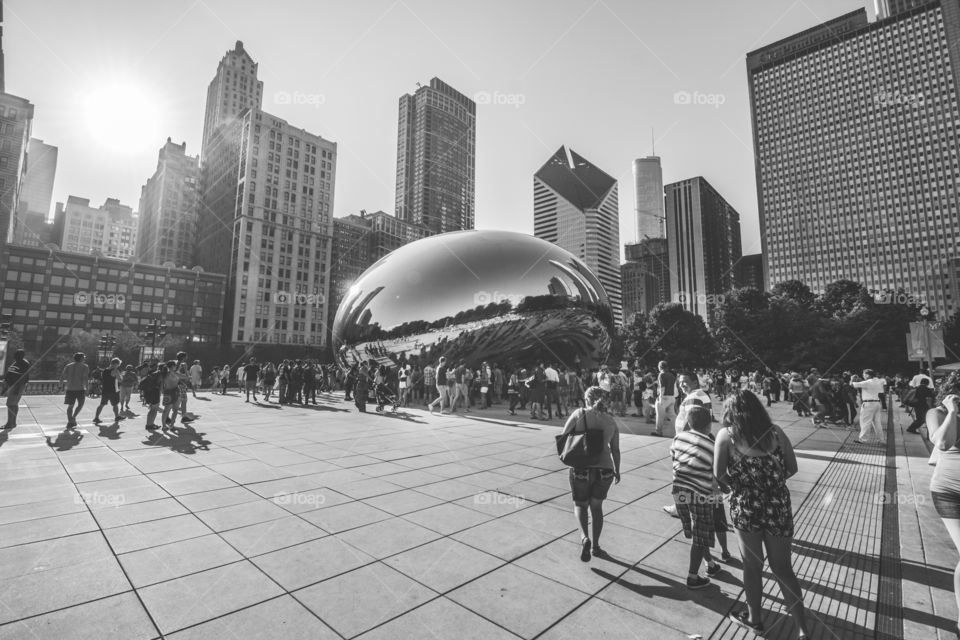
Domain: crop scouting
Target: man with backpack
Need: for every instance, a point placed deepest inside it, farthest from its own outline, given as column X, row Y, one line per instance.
column 918, row 399
column 150, row 387
column 15, row 379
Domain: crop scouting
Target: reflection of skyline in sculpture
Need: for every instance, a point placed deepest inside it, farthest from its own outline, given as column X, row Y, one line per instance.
column 475, row 295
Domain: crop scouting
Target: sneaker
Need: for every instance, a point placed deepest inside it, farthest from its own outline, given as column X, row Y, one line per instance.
column 742, row 618
column 698, row 582
column 151, row 427
column 585, row 550
column 186, row 419
column 599, row 553
column 714, row 570
column 670, row 510
column 725, row 556
column 97, row 421
column 656, row 433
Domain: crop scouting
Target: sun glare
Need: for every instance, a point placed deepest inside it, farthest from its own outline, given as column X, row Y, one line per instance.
column 121, row 117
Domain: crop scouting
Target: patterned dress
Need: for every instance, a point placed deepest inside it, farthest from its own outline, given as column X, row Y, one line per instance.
column 760, row 500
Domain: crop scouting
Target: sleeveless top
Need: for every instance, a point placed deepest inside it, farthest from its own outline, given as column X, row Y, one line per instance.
column 760, row 500
column 946, row 475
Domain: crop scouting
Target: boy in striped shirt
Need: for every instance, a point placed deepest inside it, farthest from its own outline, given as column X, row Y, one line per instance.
column 696, row 493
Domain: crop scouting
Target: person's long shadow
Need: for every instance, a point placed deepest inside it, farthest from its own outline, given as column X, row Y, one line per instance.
column 263, row 405
column 184, row 440
column 395, row 415
column 110, row 431
column 325, row 407
column 66, row 440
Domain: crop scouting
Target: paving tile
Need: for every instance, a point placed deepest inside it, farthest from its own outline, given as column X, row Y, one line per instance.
column 194, row 480
column 36, row 557
column 345, row 602
column 17, row 533
column 269, row 536
column 440, row 618
column 447, row 518
column 217, row 498
column 303, row 501
column 119, row 616
column 609, row 622
column 241, row 515
column 311, row 562
column 35, row 510
column 388, row 537
column 508, row 595
column 502, row 539
column 177, row 559
column 401, row 502
column 345, row 516
column 123, row 514
column 249, row 471
column 55, row 588
column 153, row 534
column 199, row 597
column 444, row 564
column 281, row 617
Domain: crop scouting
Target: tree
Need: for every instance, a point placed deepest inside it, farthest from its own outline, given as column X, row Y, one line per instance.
column 843, row 298
column 680, row 337
column 793, row 291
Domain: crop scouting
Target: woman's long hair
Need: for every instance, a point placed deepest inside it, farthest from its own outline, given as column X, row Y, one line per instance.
column 593, row 398
column 745, row 415
column 951, row 385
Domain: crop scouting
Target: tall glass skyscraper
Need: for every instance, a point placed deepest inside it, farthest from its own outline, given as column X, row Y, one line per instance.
column 575, row 207
column 436, row 158
column 703, row 245
column 648, row 197
column 856, row 129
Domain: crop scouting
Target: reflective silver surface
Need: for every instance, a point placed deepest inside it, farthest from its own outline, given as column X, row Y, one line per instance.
column 498, row 296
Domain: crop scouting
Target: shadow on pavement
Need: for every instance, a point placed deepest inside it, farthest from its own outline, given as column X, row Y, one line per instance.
column 110, row 431
column 65, row 441
column 184, row 440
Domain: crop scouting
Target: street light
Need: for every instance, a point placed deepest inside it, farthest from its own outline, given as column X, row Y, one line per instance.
column 155, row 331
column 925, row 317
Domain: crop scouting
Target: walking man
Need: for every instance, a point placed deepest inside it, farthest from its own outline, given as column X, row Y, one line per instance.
column 16, row 379
column 110, row 390
column 870, row 390
column 196, row 376
column 74, row 380
column 250, row 373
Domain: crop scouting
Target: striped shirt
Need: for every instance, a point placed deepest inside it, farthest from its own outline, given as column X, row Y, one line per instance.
column 692, row 455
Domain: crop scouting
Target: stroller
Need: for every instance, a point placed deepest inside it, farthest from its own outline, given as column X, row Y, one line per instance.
column 385, row 396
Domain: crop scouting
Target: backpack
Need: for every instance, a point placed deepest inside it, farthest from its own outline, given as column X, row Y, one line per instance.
column 910, row 397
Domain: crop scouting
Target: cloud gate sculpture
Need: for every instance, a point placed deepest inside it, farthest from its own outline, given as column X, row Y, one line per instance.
column 495, row 296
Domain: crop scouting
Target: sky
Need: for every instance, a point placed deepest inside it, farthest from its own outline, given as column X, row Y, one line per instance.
column 112, row 79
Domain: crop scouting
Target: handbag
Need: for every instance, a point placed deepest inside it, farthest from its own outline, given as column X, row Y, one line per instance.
column 580, row 449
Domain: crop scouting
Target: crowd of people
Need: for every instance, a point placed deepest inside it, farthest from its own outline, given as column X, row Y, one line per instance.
column 726, row 456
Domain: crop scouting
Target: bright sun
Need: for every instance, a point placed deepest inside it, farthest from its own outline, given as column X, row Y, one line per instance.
column 122, row 117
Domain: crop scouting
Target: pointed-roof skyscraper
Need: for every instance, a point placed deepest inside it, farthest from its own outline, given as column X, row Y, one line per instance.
column 575, row 206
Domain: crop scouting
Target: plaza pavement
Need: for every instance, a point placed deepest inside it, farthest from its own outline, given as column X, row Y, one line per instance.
column 319, row 522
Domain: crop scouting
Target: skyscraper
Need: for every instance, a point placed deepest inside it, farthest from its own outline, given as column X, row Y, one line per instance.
column 16, row 118
column 648, row 197
column 234, row 88
column 856, row 128
column 703, row 244
column 436, row 158
column 36, row 195
column 890, row 8
column 644, row 277
column 265, row 221
column 575, row 207
column 168, row 209
column 109, row 230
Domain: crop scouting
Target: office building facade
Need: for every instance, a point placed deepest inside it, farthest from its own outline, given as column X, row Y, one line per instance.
column 168, row 209
column 234, row 88
column 436, row 158
column 648, row 197
column 54, row 294
column 265, row 220
column 37, row 192
column 109, row 230
column 856, row 129
column 703, row 245
column 16, row 118
column 645, row 277
column 575, row 207
column 749, row 272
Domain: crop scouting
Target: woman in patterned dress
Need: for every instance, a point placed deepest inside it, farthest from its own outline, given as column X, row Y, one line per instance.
column 752, row 460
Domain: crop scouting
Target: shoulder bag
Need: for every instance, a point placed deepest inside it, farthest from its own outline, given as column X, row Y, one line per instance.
column 581, row 449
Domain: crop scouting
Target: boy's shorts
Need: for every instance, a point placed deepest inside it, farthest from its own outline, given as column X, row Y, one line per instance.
column 696, row 514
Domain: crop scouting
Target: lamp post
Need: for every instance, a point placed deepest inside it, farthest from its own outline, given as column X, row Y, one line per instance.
column 925, row 319
column 154, row 331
